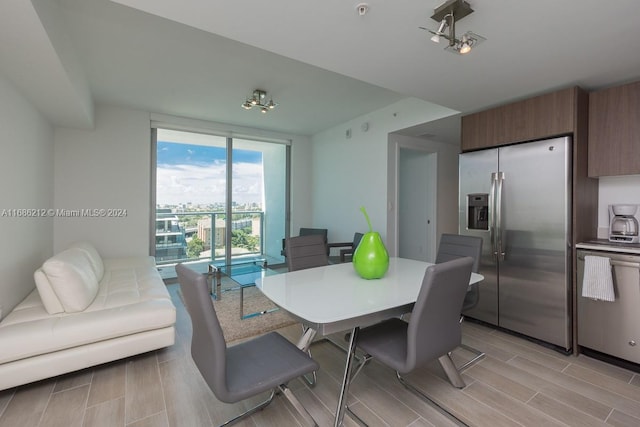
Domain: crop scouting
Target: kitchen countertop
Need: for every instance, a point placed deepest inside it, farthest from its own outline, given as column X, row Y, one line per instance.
column 606, row 245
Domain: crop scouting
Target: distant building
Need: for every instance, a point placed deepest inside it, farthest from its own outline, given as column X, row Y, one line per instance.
column 170, row 238
column 204, row 232
column 204, row 229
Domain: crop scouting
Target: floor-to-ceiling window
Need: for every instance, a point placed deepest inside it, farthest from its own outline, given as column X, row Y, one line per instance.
column 218, row 199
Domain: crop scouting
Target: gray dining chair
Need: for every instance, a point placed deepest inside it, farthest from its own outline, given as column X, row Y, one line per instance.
column 306, row 252
column 349, row 247
column 432, row 332
column 454, row 246
column 306, row 231
column 236, row 373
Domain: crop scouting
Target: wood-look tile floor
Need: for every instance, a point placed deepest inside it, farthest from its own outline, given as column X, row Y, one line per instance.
column 519, row 383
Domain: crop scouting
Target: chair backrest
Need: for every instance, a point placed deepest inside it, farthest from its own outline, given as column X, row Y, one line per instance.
column 208, row 347
column 321, row 231
column 454, row 246
column 434, row 327
column 308, row 231
column 306, row 252
column 356, row 239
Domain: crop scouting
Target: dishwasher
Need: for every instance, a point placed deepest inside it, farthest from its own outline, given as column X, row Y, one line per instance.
column 612, row 328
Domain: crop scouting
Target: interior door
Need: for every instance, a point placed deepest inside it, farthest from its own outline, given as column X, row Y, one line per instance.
column 417, row 177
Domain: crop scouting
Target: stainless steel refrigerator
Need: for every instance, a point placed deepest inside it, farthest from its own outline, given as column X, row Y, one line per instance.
column 518, row 199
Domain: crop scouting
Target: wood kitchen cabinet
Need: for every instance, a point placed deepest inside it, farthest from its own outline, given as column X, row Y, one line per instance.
column 543, row 116
column 614, row 131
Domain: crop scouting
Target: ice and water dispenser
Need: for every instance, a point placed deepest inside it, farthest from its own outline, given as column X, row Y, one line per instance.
column 478, row 211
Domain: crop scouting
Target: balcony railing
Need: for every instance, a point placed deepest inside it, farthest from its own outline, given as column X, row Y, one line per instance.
column 193, row 236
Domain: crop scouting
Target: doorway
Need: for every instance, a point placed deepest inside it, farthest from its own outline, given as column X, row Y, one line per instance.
column 416, row 213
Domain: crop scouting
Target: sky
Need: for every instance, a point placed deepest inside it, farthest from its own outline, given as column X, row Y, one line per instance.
column 197, row 174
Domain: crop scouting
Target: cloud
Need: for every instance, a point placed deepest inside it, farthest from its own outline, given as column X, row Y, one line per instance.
column 199, row 184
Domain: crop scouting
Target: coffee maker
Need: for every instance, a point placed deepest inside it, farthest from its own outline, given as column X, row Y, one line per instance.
column 623, row 223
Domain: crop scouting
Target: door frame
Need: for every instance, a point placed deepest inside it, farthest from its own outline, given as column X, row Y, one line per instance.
column 393, row 193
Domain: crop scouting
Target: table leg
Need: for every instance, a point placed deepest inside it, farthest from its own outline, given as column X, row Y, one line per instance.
column 241, row 302
column 305, row 340
column 344, row 391
column 218, row 284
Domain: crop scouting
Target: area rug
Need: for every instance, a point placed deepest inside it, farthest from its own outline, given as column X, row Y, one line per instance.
column 234, row 328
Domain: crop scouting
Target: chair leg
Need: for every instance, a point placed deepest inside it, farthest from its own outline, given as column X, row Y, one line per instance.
column 452, row 372
column 251, row 411
column 311, row 382
column 305, row 345
column 478, row 355
column 297, row 405
column 430, row 401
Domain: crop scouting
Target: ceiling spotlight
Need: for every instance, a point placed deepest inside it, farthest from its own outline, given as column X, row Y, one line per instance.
column 465, row 46
column 467, row 42
column 447, row 14
column 440, row 32
column 258, row 99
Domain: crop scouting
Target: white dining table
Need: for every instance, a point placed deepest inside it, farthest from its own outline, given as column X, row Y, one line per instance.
column 334, row 298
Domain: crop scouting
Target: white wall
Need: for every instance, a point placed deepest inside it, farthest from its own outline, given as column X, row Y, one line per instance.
column 615, row 190
column 301, row 184
column 352, row 172
column 105, row 168
column 26, row 173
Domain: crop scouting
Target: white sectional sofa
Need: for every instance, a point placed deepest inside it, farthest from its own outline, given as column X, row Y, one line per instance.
column 84, row 311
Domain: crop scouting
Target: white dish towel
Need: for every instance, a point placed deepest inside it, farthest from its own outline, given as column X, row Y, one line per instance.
column 597, row 282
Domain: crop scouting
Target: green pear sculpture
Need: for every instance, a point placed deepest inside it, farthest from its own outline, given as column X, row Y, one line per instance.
column 371, row 259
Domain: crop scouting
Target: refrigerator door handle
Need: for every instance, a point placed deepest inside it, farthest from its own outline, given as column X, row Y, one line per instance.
column 500, row 250
column 492, row 215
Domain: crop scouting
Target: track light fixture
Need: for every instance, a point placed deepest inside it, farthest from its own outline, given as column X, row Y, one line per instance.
column 258, row 100
column 440, row 32
column 447, row 14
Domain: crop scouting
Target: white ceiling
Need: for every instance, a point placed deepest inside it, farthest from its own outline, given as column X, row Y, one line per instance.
column 322, row 62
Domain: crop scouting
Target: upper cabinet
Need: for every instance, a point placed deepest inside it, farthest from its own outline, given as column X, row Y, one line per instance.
column 564, row 112
column 540, row 117
column 614, row 131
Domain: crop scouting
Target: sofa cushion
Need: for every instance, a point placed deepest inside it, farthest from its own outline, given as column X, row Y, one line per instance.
column 48, row 296
column 94, row 258
column 72, row 278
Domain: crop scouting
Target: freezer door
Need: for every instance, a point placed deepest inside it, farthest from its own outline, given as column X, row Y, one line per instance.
column 475, row 183
column 534, row 261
